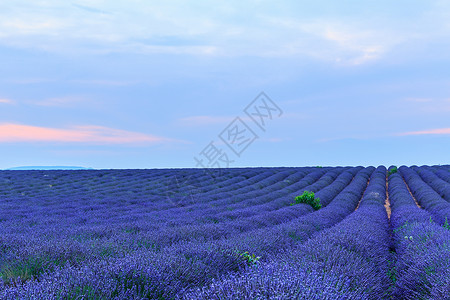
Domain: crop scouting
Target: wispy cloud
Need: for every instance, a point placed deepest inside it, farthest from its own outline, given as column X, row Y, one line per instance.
column 273, row 140
column 31, row 26
column 89, row 9
column 205, row 120
column 210, row 120
column 192, row 50
column 28, row 80
column 162, row 27
column 425, row 105
column 347, row 42
column 107, row 82
column 418, row 100
column 78, row 134
column 62, row 101
column 6, row 101
column 438, row 131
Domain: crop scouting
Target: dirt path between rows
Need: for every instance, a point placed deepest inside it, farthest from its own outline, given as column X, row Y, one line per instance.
column 387, row 203
column 359, row 202
column 415, row 200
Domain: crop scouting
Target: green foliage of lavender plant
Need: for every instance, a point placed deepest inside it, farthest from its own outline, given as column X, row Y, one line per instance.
column 23, row 269
column 392, row 171
column 83, row 292
column 446, row 225
column 251, row 259
column 308, row 198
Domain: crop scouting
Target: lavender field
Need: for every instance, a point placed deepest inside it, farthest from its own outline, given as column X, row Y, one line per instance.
column 226, row 233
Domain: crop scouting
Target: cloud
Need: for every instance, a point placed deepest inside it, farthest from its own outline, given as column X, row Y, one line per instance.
column 426, row 105
column 273, row 140
column 107, row 82
column 192, row 50
column 100, row 27
column 89, row 9
column 33, row 26
column 6, row 101
column 29, row 80
column 62, row 101
column 78, row 134
column 162, row 27
column 418, row 100
column 438, row 131
column 211, row 120
column 347, row 42
column 205, row 120
column 231, row 28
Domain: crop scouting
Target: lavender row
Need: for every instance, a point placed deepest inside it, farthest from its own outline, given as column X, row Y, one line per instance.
column 442, row 172
column 422, row 259
column 442, row 187
column 427, row 198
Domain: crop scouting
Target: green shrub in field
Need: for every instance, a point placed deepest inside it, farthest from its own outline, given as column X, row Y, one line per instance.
column 446, row 225
column 392, row 171
column 252, row 260
column 308, row 198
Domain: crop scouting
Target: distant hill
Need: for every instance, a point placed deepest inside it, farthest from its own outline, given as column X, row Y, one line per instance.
column 49, row 168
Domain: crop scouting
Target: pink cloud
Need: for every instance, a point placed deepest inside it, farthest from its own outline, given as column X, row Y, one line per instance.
column 6, row 101
column 205, row 120
column 62, row 101
column 78, row 134
column 428, row 132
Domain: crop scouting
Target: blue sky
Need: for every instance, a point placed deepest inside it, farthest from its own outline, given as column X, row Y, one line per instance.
column 150, row 84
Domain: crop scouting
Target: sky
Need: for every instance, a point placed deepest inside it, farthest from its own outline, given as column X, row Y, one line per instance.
column 185, row 84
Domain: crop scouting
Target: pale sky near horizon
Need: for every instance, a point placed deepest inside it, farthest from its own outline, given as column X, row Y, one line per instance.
column 153, row 84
